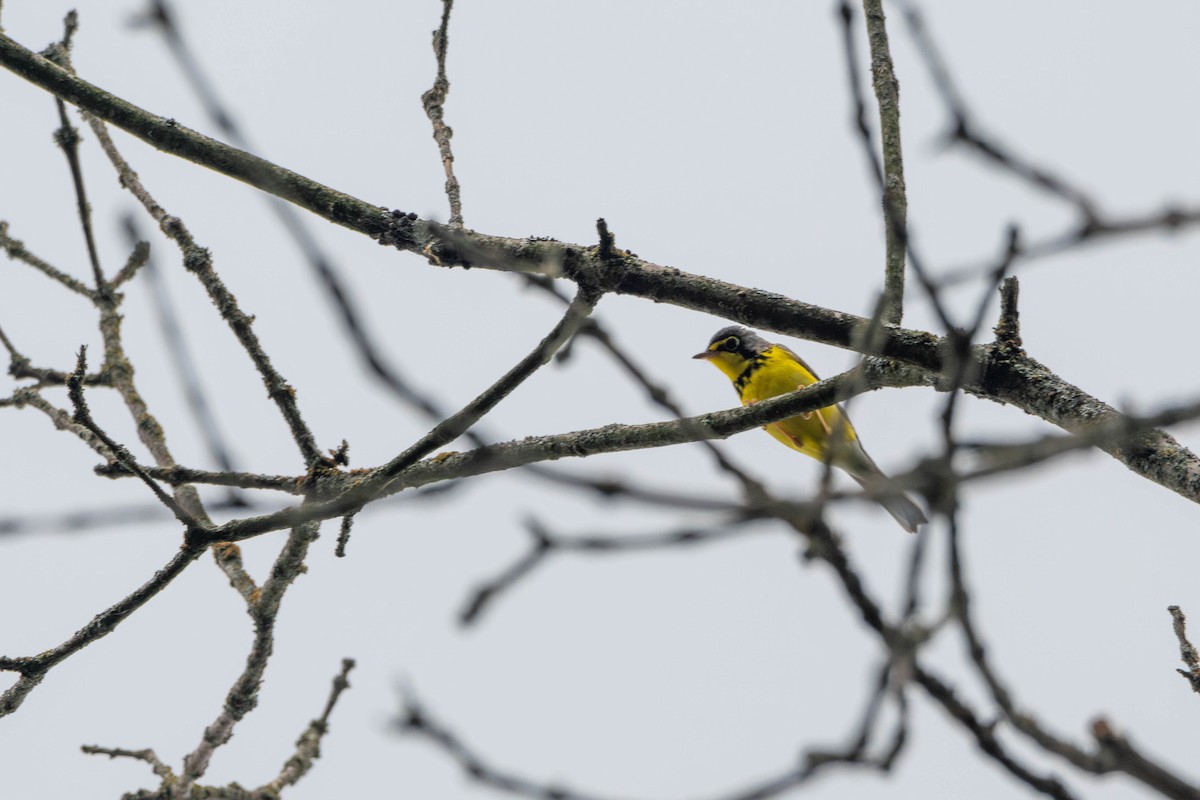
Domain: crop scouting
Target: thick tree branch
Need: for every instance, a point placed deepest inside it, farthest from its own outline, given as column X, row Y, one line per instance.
column 1021, row 382
column 352, row 492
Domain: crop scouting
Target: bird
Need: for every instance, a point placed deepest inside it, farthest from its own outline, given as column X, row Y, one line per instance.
column 759, row 370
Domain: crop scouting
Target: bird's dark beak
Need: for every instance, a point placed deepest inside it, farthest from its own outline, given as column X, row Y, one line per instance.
column 706, row 355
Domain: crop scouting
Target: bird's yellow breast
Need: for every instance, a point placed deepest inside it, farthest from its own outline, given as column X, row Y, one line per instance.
column 770, row 374
column 778, row 371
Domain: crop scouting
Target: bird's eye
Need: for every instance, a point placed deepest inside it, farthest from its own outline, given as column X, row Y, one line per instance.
column 731, row 344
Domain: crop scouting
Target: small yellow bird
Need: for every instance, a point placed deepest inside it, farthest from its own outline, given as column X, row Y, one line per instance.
column 759, row 370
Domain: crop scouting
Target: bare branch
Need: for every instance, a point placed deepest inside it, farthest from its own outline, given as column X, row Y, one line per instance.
column 896, row 226
column 434, row 102
column 1115, row 752
column 352, row 492
column 965, row 132
column 139, row 256
column 181, row 357
column 198, row 261
column 985, row 736
column 308, row 746
column 457, row 424
column 243, row 695
column 68, row 140
column 34, row 668
column 895, row 200
column 308, row 749
column 16, row 250
column 147, row 755
column 415, row 720
column 177, row 475
column 1123, row 756
column 959, row 356
column 63, row 421
column 1186, row 651
column 344, row 536
column 162, row 17
column 83, row 417
column 543, row 544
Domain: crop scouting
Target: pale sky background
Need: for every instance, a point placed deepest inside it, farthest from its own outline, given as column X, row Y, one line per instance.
column 714, row 137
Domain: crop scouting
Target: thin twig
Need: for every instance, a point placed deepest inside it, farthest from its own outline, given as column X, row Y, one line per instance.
column 34, row 668
column 895, row 199
column 15, row 249
column 960, row 360
column 160, row 769
column 985, row 737
column 118, row 367
column 64, row 421
column 177, row 475
column 162, row 16
column 139, row 256
column 67, row 138
column 243, row 695
column 308, row 746
column 965, row 132
column 434, row 102
column 181, row 358
column 344, row 536
column 198, row 261
column 1187, row 652
column 90, row 519
column 897, row 229
column 83, row 417
column 455, row 425
column 415, row 720
column 543, row 544
column 1115, row 752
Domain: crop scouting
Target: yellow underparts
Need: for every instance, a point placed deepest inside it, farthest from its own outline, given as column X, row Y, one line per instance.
column 777, row 371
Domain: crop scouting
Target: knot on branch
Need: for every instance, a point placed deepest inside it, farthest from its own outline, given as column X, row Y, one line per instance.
column 1008, row 327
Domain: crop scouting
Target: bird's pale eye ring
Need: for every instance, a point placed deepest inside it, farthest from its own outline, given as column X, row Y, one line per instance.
column 731, row 344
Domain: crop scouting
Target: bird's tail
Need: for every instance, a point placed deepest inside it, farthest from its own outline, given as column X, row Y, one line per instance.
column 900, row 506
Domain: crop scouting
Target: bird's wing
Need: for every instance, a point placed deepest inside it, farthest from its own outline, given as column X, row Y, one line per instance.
column 831, row 417
column 799, row 361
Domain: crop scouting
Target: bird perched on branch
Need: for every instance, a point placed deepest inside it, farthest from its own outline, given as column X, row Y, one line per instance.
column 760, row 370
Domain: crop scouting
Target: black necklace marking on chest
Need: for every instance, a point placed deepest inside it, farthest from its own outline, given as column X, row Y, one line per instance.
column 756, row 362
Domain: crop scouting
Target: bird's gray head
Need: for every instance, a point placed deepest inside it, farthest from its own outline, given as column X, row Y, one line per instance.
column 736, row 339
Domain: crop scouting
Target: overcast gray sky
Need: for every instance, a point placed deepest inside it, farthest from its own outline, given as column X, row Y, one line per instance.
column 715, row 137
